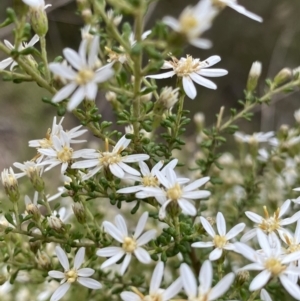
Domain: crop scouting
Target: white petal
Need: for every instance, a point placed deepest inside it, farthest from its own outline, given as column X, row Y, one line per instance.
column 292, row 288
column 240, row 9
column 188, row 281
column 116, row 170
column 109, row 251
column 156, row 278
column 112, row 260
column 141, row 225
column 235, row 231
column 62, row 257
column 253, row 267
column 254, row 217
column 260, row 280
column 121, row 224
column 203, row 81
column 73, row 58
column 215, row 254
column 162, row 75
column 79, row 258
column 221, row 224
column 199, row 194
column 89, row 282
column 246, row 251
column 85, row 164
column 212, row 60
column 203, row 244
column 103, row 75
column 65, row 92
column 125, row 263
column 91, row 90
column 135, row 158
column 187, row 207
column 264, row 295
column 130, row 296
column 129, row 169
column 221, row 287
column 264, row 242
column 33, row 41
column 201, row 43
column 85, row 272
column 142, row 255
column 5, row 63
column 76, row 99
column 60, row 291
column 56, row 274
column 206, row 225
column 172, row 22
column 132, row 189
column 93, row 53
column 146, row 237
column 205, row 277
column 196, row 184
column 213, row 72
column 62, row 70
column 284, row 208
column 162, row 179
column 113, row 231
column 144, row 168
column 248, row 235
column 189, row 87
column 172, row 290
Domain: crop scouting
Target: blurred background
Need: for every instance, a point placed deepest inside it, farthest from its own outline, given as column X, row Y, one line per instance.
column 237, row 39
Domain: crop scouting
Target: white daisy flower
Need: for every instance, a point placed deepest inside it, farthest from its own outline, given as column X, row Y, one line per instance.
column 193, row 22
column 190, row 70
column 148, row 178
column 130, row 244
column 9, row 61
column 220, row 240
column 112, row 160
column 155, row 292
column 269, row 223
column 60, row 153
column 204, row 291
column 255, row 138
column 29, row 169
column 75, row 274
column 10, row 184
column 240, row 9
column 87, row 77
column 272, row 263
column 173, row 192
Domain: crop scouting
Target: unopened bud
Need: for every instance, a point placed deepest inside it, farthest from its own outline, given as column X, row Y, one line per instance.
column 115, row 19
column 199, row 119
column 283, row 131
column 284, row 75
column 10, row 184
column 278, row 163
column 39, row 20
column 168, row 97
column 34, row 211
column 111, row 96
column 242, row 277
column 87, row 15
column 34, row 246
column 37, row 181
column 56, row 223
column 79, row 212
column 146, row 97
column 297, row 116
column 254, row 75
column 43, row 260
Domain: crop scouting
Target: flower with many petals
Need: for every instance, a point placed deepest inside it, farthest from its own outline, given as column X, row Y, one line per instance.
column 192, row 70
column 87, row 77
column 112, row 160
column 220, row 240
column 173, row 192
column 130, row 244
column 155, row 292
column 193, row 21
column 71, row 275
column 271, row 262
column 204, row 291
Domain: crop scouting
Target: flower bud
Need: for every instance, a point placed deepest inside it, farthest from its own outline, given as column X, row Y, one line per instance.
column 168, row 97
column 10, row 184
column 115, row 19
column 284, row 75
column 39, row 20
column 87, row 15
column 56, row 224
column 254, row 75
column 34, row 246
column 37, row 181
column 297, row 116
column 111, row 96
column 79, row 212
column 43, row 260
column 34, row 211
column 278, row 163
column 242, row 277
column 199, row 119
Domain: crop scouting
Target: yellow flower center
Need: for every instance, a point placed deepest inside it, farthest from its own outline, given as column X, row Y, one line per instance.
column 110, row 158
column 188, row 22
column 84, row 76
column 129, row 244
column 270, row 224
column 71, row 276
column 220, row 241
column 150, row 181
column 174, row 193
column 274, row 266
column 65, row 154
column 153, row 297
column 200, row 297
column 186, row 67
